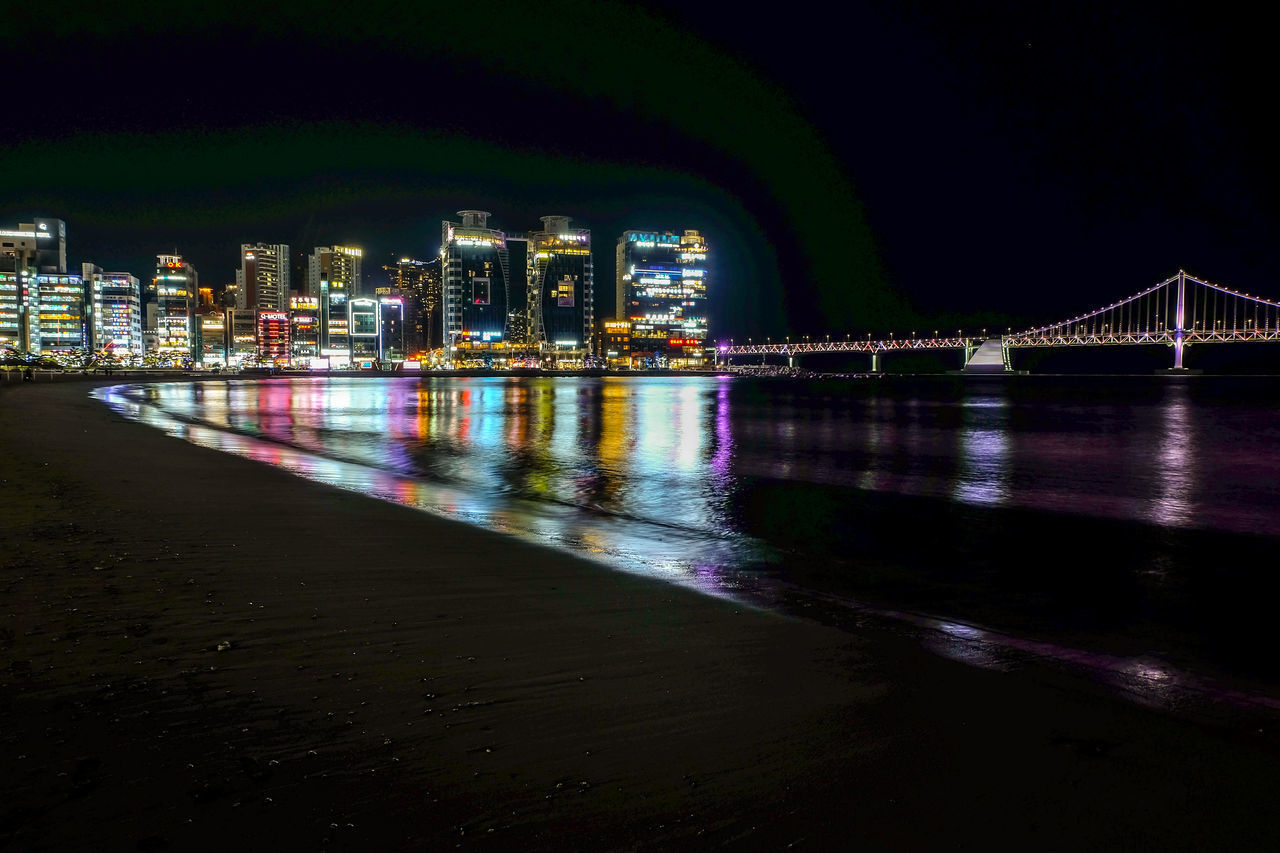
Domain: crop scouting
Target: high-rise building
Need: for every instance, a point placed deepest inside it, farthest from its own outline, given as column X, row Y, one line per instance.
column 33, row 263
column 391, row 328
column 333, row 278
column 662, row 291
column 364, row 331
column 304, row 331
column 39, row 246
column 12, row 311
column 273, row 337
column 561, row 286
column 477, row 294
column 175, row 286
column 419, row 283
column 262, row 282
column 55, row 308
column 115, row 310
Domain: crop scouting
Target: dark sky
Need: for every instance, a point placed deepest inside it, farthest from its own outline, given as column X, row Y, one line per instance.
column 872, row 167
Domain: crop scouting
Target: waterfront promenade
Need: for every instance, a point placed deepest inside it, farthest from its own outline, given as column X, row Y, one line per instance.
column 201, row 651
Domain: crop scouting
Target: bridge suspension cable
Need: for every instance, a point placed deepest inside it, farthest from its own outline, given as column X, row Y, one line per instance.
column 1180, row 310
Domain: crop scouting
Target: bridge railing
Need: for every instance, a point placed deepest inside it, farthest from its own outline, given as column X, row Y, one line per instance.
column 849, row 345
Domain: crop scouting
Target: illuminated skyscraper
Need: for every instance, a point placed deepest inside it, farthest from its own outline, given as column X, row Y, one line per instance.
column 420, row 284
column 56, row 321
column 33, row 261
column 333, row 278
column 662, row 291
column 262, row 282
column 476, row 292
column 561, row 286
column 175, row 288
column 115, row 310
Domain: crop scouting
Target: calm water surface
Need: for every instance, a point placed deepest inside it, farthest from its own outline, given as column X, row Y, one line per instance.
column 1126, row 525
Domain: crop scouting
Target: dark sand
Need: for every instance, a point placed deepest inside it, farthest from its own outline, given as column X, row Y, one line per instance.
column 200, row 652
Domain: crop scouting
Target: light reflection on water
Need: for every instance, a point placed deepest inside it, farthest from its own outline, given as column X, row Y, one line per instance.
column 658, row 476
column 495, row 454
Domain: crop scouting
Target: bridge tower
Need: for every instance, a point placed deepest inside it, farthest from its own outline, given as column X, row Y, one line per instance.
column 1179, row 332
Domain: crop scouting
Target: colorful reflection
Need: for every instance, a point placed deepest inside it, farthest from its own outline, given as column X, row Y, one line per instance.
column 751, row 490
column 525, row 458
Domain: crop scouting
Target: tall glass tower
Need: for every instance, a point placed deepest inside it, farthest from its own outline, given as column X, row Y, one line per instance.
column 561, row 286
column 175, row 288
column 476, row 273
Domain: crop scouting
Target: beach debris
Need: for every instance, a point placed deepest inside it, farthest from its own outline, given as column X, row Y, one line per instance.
column 224, row 645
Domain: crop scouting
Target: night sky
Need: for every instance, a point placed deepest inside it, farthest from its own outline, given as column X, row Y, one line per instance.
column 883, row 166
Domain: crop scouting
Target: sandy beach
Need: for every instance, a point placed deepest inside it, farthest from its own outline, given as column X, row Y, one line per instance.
column 199, row 651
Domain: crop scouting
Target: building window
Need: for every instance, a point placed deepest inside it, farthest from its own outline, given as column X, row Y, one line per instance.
column 479, row 291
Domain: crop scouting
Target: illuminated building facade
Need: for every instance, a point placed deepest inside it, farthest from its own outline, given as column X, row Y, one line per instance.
column 421, row 285
column 211, row 338
column 613, row 343
column 39, row 246
column 12, row 311
column 391, row 329
column 33, row 261
column 273, row 337
column 243, row 345
column 175, row 286
column 263, row 280
column 56, row 321
column 333, row 278
column 561, row 286
column 304, row 323
column 476, row 273
column 364, row 335
column 662, row 291
column 114, row 301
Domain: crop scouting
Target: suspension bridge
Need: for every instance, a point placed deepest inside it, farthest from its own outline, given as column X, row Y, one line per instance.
column 1180, row 311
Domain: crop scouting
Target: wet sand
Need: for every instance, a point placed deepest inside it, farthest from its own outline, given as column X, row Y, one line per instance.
column 198, row 651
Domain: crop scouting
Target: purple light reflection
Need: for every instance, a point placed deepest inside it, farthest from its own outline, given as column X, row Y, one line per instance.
column 628, row 544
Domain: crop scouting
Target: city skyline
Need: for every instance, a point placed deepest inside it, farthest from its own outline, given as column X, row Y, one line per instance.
column 494, row 299
column 862, row 175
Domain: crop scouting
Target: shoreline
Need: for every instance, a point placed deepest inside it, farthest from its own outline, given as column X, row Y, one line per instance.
column 12, row 375
column 189, row 643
